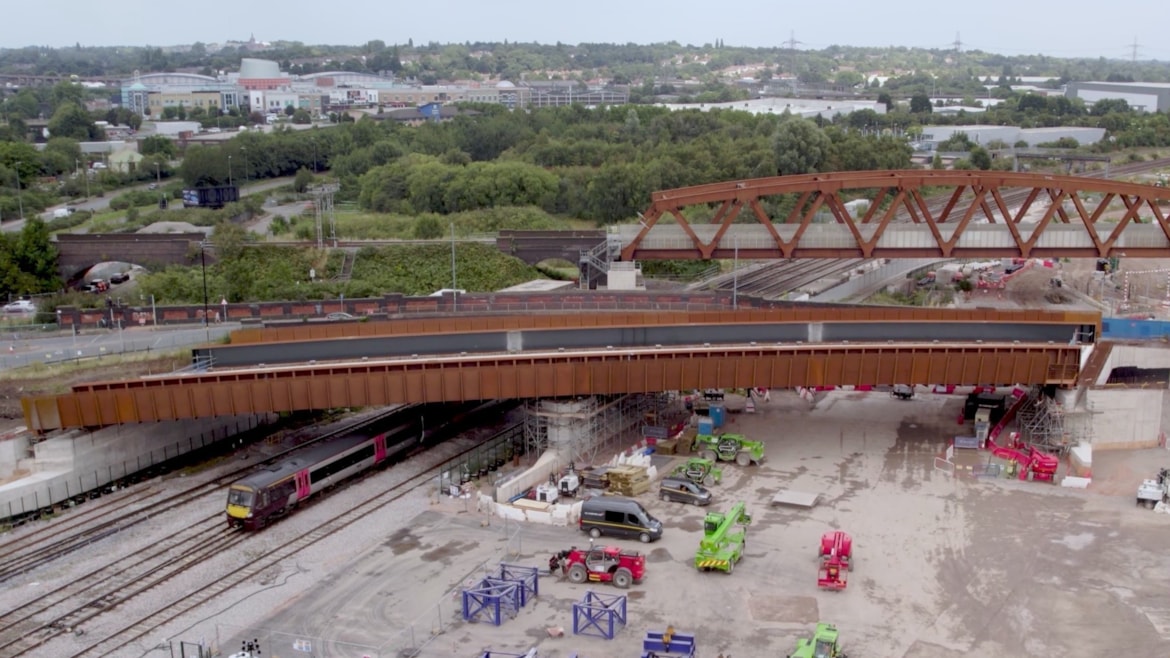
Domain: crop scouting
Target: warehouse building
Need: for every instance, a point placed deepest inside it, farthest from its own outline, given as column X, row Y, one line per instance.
column 1144, row 96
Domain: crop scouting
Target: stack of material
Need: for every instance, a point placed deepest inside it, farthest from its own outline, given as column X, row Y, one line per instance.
column 595, row 478
column 629, row 480
column 666, row 446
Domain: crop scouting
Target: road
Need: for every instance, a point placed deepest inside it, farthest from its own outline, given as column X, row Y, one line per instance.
column 102, row 204
column 23, row 348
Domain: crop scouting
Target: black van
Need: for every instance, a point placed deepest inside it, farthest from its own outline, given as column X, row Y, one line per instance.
column 618, row 517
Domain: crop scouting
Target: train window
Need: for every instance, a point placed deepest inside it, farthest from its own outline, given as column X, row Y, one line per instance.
column 241, row 497
column 342, row 463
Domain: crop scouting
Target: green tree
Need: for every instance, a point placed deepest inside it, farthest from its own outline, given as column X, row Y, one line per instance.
column 801, row 147
column 980, row 158
column 36, row 256
column 72, row 121
column 158, row 145
column 302, row 180
column 920, row 104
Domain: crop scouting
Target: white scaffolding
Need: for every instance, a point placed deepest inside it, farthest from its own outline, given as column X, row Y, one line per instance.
column 1051, row 426
column 582, row 427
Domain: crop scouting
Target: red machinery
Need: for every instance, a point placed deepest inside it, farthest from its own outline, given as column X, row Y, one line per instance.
column 601, row 564
column 1034, row 463
column 836, row 559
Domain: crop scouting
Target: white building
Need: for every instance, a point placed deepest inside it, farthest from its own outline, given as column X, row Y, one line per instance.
column 932, row 136
column 802, row 107
column 1145, row 96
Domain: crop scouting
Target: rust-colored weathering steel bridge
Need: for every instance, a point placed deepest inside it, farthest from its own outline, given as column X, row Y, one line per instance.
column 635, row 368
column 986, row 215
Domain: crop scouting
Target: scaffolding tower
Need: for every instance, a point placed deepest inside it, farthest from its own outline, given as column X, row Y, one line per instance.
column 1047, row 424
column 596, row 421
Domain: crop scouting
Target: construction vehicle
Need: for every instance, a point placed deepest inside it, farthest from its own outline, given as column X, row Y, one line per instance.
column 1033, row 463
column 836, row 559
column 1152, row 492
column 837, row 543
column 729, row 447
column 722, row 546
column 600, row 564
column 823, row 644
column 700, row 471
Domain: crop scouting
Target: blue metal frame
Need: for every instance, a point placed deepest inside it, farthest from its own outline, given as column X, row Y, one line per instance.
column 600, row 615
column 491, row 598
column 527, row 577
column 679, row 644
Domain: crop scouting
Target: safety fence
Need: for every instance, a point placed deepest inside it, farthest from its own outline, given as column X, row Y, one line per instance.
column 436, row 620
column 94, row 345
column 81, row 483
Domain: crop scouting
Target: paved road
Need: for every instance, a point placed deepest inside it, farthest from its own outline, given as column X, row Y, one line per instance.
column 22, row 348
column 102, row 204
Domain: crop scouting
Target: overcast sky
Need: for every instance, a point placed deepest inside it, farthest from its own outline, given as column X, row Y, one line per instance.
column 1064, row 28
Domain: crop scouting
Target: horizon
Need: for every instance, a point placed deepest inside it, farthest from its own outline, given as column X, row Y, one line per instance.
column 997, row 27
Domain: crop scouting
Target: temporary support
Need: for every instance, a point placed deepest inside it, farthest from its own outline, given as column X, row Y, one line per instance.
column 599, row 614
column 528, row 578
column 669, row 643
column 490, row 600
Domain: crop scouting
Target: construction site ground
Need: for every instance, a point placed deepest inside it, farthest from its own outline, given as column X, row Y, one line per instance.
column 946, row 566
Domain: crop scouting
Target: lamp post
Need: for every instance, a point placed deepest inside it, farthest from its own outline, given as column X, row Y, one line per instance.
column 244, row 152
column 203, row 265
column 735, row 277
column 19, row 199
column 454, row 287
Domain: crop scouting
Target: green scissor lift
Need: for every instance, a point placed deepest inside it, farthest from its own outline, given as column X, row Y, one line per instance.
column 722, row 544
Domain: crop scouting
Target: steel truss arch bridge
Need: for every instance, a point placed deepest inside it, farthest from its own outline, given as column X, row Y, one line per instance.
column 984, row 215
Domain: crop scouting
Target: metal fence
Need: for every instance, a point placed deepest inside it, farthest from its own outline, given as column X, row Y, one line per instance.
column 410, row 641
column 58, row 490
column 22, row 349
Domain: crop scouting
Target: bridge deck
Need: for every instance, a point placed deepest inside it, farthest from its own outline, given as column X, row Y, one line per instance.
column 1001, row 348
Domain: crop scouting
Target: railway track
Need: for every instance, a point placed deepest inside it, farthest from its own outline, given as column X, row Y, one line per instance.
column 244, row 573
column 97, row 592
column 36, row 549
column 774, row 280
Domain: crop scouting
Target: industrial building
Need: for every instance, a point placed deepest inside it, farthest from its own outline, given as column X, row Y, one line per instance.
column 1143, row 96
column 932, row 136
column 801, row 107
column 263, row 87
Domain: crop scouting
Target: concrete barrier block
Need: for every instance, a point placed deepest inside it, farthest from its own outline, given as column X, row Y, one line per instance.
column 510, row 513
column 560, row 516
column 1073, row 482
column 534, row 516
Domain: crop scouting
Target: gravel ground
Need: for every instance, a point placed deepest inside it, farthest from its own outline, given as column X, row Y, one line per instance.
column 946, row 567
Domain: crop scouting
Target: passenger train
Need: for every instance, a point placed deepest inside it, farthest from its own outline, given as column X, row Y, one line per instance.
column 266, row 495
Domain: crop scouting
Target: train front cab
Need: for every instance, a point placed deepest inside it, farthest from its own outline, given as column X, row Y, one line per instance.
column 241, row 499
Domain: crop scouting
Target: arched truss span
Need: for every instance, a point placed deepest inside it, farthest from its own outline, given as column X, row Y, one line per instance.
column 982, row 214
